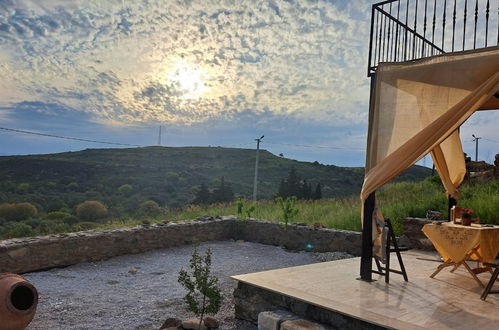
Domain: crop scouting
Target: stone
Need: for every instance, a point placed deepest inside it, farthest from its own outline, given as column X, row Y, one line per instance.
column 133, row 271
column 301, row 324
column 211, row 322
column 171, row 323
column 271, row 320
column 193, row 324
column 18, row 253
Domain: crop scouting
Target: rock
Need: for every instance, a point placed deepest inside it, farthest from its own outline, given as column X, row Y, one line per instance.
column 211, row 322
column 193, row 324
column 133, row 271
column 302, row 325
column 433, row 215
column 318, row 225
column 205, row 218
column 171, row 323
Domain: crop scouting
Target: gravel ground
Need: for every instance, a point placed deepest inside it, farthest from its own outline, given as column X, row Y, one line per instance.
column 104, row 295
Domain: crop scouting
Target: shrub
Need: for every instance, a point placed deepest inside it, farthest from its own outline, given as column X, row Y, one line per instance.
column 70, row 220
column 56, row 215
column 125, row 189
column 91, row 210
column 20, row 229
column 17, row 211
column 52, row 227
column 23, row 187
column 149, row 209
column 73, row 185
column 288, row 208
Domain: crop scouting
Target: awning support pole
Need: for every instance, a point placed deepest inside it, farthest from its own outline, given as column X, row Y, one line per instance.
column 366, row 259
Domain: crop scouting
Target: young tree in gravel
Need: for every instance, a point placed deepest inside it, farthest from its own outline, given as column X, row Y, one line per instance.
column 203, row 296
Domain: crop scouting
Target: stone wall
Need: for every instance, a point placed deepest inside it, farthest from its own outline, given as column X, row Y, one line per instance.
column 37, row 253
column 250, row 300
column 413, row 236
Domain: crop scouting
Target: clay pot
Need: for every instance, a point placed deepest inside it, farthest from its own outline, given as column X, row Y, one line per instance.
column 18, row 301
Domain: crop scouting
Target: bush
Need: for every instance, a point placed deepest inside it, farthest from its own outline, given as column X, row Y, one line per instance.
column 70, row 220
column 56, row 215
column 17, row 211
column 149, row 209
column 52, row 227
column 91, row 210
column 125, row 189
column 20, row 230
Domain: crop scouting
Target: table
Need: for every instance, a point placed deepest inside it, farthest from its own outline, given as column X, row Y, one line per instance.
column 458, row 244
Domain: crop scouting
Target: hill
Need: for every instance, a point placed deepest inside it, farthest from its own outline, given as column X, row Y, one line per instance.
column 168, row 175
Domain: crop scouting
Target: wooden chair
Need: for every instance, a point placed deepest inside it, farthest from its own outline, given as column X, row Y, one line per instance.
column 391, row 246
column 493, row 278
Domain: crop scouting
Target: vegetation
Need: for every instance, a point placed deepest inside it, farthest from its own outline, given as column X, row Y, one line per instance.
column 91, row 210
column 295, row 186
column 288, row 208
column 122, row 179
column 397, row 201
column 222, row 194
column 203, row 294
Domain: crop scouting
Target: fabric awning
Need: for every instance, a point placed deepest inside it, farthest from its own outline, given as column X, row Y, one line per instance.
column 418, row 108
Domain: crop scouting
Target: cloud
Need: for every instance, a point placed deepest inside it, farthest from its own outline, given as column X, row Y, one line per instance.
column 112, row 60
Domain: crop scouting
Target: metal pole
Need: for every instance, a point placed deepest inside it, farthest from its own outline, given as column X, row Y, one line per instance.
column 476, row 138
column 255, row 181
column 366, row 258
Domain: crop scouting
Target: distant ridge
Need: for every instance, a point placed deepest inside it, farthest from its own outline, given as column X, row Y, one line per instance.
column 168, row 175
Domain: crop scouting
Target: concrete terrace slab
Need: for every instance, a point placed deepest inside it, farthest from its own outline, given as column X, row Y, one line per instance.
column 449, row 301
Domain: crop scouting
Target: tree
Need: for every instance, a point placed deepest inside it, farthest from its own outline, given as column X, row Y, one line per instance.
column 318, row 192
column 91, row 210
column 203, row 195
column 203, row 294
column 223, row 193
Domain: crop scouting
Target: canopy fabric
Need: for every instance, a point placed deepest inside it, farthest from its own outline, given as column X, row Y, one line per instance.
column 418, row 108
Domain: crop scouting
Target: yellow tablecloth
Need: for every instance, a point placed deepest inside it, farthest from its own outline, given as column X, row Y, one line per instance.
column 454, row 241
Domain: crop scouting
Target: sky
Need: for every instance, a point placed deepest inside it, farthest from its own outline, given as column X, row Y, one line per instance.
column 210, row 73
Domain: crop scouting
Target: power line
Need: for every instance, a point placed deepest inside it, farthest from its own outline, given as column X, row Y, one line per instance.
column 69, row 138
column 316, row 146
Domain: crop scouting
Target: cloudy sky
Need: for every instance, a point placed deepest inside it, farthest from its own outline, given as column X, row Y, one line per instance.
column 218, row 73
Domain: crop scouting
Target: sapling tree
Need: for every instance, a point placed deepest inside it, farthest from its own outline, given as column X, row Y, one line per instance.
column 288, row 208
column 240, row 207
column 203, row 294
column 249, row 210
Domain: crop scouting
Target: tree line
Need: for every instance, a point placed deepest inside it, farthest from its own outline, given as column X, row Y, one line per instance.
column 294, row 185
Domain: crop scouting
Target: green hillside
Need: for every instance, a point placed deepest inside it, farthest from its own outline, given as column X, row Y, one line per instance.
column 168, row 175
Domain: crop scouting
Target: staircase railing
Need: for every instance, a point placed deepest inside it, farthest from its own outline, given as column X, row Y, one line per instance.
column 406, row 30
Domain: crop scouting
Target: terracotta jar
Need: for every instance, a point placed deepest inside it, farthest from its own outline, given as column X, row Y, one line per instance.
column 18, row 301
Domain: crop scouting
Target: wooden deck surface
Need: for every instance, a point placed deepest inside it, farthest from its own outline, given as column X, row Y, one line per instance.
column 449, row 301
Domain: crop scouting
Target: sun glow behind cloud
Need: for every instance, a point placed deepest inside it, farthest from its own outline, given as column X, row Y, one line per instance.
column 188, row 80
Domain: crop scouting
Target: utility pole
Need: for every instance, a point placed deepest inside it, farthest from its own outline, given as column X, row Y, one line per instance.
column 476, row 138
column 255, row 182
column 159, row 136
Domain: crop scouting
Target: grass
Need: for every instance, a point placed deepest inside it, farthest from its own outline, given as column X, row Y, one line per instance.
column 397, row 201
